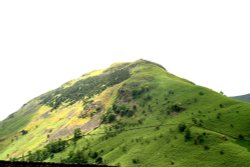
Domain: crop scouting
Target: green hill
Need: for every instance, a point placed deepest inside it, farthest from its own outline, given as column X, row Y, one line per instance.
column 245, row 98
column 130, row 114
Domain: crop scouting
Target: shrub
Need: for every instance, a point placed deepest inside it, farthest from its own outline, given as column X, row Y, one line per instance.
column 218, row 116
column 206, row 147
column 199, row 139
column 148, row 98
column 194, row 120
column 93, row 155
column 123, row 110
column 135, row 161
column 241, row 137
column 187, row 135
column 99, row 160
column 56, row 146
column 77, row 157
column 201, row 93
column 137, row 93
column 170, row 92
column 182, row 127
column 77, row 134
column 24, row 132
column 177, row 108
column 109, row 117
column 157, row 128
column 39, row 155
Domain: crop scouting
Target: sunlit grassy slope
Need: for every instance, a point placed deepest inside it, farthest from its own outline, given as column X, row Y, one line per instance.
column 148, row 105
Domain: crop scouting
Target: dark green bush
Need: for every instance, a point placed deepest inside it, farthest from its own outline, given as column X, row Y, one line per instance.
column 93, row 155
column 241, row 137
column 77, row 157
column 187, row 134
column 206, row 147
column 218, row 116
column 99, row 160
column 201, row 93
column 123, row 110
column 135, row 161
column 148, row 98
column 77, row 134
column 221, row 105
column 49, row 151
column 109, row 117
column 56, row 146
column 199, row 139
column 170, row 92
column 182, row 127
column 177, row 108
column 138, row 92
column 24, row 132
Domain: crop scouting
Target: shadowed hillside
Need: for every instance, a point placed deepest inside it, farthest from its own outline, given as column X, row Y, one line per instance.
column 43, row 164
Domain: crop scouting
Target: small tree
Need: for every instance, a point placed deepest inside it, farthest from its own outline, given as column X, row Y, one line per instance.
column 77, row 134
column 24, row 132
column 56, row 146
column 111, row 117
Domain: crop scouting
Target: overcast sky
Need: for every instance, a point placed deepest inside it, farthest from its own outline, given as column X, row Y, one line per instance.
column 43, row 44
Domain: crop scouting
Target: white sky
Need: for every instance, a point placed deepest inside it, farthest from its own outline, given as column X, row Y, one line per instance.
column 45, row 43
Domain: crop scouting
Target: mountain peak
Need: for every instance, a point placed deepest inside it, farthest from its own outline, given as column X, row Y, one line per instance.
column 123, row 115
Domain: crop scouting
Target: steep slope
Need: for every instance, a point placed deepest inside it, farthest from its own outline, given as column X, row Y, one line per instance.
column 245, row 98
column 131, row 114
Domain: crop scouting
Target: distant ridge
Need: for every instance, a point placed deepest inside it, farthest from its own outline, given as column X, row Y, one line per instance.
column 245, row 98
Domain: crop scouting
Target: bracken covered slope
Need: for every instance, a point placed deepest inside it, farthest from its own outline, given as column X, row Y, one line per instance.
column 131, row 114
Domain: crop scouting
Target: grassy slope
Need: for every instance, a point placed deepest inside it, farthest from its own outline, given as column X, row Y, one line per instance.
column 222, row 120
column 166, row 146
column 42, row 122
column 30, row 117
column 10, row 128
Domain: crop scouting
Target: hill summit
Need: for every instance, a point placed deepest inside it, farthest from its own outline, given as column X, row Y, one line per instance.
column 130, row 114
